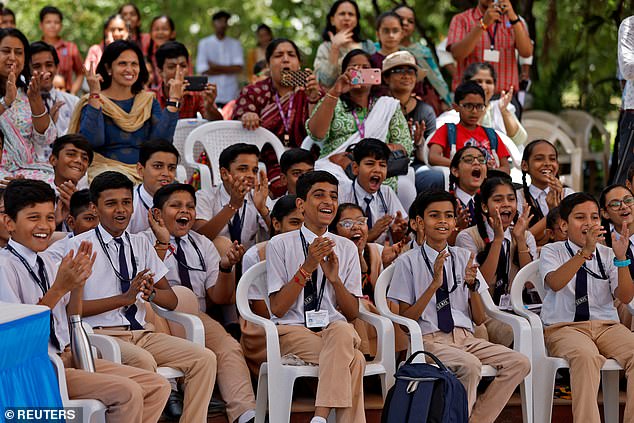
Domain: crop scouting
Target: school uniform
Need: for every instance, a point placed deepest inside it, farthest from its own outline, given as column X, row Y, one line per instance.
column 130, row 394
column 625, row 310
column 582, row 325
column 374, row 206
column 245, row 223
column 335, row 347
column 447, row 328
column 467, row 201
column 193, row 261
column 142, row 202
column 57, row 250
column 119, row 259
column 539, row 195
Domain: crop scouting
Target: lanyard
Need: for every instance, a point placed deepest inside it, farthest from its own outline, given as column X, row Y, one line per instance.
column 602, row 276
column 379, row 193
column 320, row 295
column 492, row 37
column 286, row 120
column 104, row 247
column 361, row 125
column 43, row 284
column 203, row 267
column 431, row 270
column 138, row 190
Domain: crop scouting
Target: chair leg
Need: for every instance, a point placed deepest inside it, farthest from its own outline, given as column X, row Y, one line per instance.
column 526, row 389
column 332, row 416
column 610, row 386
column 543, row 387
column 280, row 398
column 262, row 397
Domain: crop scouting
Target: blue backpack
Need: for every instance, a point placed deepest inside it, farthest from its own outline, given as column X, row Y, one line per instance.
column 451, row 137
column 424, row 393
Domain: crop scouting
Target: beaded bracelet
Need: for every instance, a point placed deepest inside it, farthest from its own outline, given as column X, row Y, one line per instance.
column 40, row 115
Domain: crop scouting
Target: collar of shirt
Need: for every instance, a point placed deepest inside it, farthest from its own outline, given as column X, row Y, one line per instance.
column 29, row 255
column 145, row 196
column 310, row 235
column 464, row 197
column 362, row 193
column 476, row 13
column 431, row 253
column 491, row 233
column 536, row 192
column 107, row 237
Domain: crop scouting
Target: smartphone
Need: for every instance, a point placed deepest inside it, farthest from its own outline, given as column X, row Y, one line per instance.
column 196, row 83
column 295, row 78
column 365, row 76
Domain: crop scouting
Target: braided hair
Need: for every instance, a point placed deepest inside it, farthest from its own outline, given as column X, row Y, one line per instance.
column 528, row 150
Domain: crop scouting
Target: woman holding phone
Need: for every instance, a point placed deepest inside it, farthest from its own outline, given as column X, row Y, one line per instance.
column 282, row 108
column 341, row 35
column 118, row 114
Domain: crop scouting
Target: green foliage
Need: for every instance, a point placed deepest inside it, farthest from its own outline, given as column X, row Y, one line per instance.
column 581, row 58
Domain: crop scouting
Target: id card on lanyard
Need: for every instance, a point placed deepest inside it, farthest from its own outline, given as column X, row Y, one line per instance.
column 315, row 319
column 492, row 55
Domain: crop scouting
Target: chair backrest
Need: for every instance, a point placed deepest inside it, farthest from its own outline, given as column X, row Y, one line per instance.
column 550, row 118
column 583, row 123
column 216, row 136
column 183, row 128
column 543, row 130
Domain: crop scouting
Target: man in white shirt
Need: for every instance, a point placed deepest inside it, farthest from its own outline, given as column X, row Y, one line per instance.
column 314, row 282
column 221, row 58
column 626, row 125
column 29, row 276
column 127, row 273
column 156, row 167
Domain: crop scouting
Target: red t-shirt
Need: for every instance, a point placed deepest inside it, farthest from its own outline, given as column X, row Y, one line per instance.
column 464, row 137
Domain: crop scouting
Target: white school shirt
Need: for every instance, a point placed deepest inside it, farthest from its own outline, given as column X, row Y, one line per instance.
column 104, row 283
column 559, row 306
column 465, row 241
column 464, row 198
column 389, row 204
column 250, row 259
column 57, row 250
column 200, row 280
column 540, row 197
column 226, row 52
column 284, row 255
column 18, row 287
column 210, row 202
column 142, row 201
column 412, row 277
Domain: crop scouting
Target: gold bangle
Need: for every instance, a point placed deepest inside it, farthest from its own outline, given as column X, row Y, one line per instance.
column 523, row 251
column 332, row 96
column 231, row 207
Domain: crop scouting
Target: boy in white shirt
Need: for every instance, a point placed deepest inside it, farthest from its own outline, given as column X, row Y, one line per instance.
column 194, row 262
column 156, row 167
column 314, row 282
column 439, row 286
column 581, row 278
column 386, row 216
column 293, row 164
column 237, row 208
column 126, row 274
column 131, row 395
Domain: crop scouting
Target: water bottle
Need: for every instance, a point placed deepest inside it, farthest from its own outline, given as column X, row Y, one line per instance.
column 80, row 345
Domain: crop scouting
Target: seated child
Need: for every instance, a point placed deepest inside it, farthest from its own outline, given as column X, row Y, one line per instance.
column 469, row 101
column 386, row 216
column 156, row 167
column 468, row 172
column 554, row 233
column 130, row 394
column 581, row 279
column 439, row 286
column 314, row 282
column 293, row 164
column 193, row 261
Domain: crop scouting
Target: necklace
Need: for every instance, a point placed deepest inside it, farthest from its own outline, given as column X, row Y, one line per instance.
column 404, row 106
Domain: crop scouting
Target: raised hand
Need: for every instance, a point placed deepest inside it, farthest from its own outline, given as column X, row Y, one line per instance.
column 157, row 224
column 379, row 227
column 391, row 252
column 135, row 287
column 250, row 121
column 317, row 251
column 147, row 286
column 4, row 182
column 496, row 223
column 556, row 192
column 341, row 38
column 399, row 225
column 261, row 193
column 595, row 234
column 233, row 255
column 312, row 88
column 342, row 84
column 439, row 268
column 66, row 190
column 505, row 99
column 239, row 189
column 520, row 228
column 417, row 129
column 463, row 219
column 11, row 90
column 54, row 112
column 493, row 14
column 209, row 95
column 34, row 91
column 177, row 85
column 330, row 266
column 620, row 246
column 93, row 79
column 470, row 271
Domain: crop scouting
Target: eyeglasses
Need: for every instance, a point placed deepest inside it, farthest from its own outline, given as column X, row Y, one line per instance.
column 403, row 71
column 616, row 204
column 469, row 159
column 349, row 223
column 473, row 106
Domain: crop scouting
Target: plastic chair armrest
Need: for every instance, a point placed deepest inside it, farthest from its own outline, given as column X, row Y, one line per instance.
column 107, row 346
column 194, row 329
column 384, row 333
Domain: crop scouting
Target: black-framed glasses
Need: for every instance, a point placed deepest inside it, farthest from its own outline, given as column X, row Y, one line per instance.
column 350, row 223
column 469, row 159
column 616, row 204
column 403, row 71
column 473, row 106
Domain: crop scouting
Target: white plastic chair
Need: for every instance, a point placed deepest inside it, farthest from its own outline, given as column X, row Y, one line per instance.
column 582, row 123
column 543, row 130
column 183, row 128
column 276, row 380
column 521, row 334
column 545, row 367
column 215, row 137
column 550, row 118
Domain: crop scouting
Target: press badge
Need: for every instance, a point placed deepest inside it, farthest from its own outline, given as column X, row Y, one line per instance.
column 492, row 56
column 505, row 301
column 317, row 319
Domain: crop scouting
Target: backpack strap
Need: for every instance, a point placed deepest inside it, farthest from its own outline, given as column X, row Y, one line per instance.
column 451, row 138
column 493, row 142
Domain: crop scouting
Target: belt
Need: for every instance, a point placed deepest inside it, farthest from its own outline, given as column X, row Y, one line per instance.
column 112, row 327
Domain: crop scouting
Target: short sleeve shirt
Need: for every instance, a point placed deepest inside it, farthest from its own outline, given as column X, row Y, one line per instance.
column 466, row 137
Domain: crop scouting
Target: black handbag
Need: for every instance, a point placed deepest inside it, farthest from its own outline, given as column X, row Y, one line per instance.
column 397, row 164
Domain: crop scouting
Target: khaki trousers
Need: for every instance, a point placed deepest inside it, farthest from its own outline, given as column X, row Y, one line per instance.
column 253, row 343
column 341, row 365
column 499, row 332
column 234, row 380
column 465, row 354
column 130, row 394
column 149, row 350
column 586, row 345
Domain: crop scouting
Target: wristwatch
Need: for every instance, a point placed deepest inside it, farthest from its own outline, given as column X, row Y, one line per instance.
column 176, row 104
column 4, row 103
column 475, row 286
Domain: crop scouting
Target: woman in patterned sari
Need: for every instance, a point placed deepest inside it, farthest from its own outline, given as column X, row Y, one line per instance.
column 280, row 109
